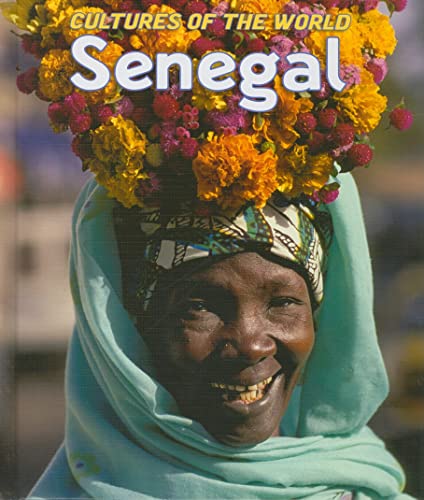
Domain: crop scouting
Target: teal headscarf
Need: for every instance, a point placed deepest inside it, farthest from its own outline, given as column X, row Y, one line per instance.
column 125, row 438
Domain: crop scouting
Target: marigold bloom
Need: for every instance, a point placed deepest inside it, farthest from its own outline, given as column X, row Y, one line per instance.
column 280, row 126
column 270, row 7
column 151, row 42
column 56, row 67
column 111, row 92
column 362, row 104
column 351, row 42
column 118, row 149
column 299, row 172
column 72, row 34
column 378, row 35
column 230, row 170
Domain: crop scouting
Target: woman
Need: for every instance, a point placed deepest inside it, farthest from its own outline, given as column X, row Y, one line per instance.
column 302, row 434
column 227, row 366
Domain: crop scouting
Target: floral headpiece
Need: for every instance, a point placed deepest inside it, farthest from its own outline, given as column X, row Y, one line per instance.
column 198, row 145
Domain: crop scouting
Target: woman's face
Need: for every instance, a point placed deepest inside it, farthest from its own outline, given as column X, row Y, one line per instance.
column 231, row 342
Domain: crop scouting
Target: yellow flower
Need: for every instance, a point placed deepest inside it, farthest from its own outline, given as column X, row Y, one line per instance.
column 151, row 42
column 54, row 7
column 119, row 148
column 71, row 34
column 53, row 28
column 378, row 35
column 369, row 31
column 115, row 4
column 25, row 14
column 362, row 104
column 206, row 99
column 351, row 42
column 299, row 172
column 56, row 67
column 269, row 7
column 231, row 171
column 278, row 127
column 111, row 92
column 58, row 14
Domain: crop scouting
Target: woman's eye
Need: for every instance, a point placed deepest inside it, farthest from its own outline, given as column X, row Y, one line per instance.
column 197, row 305
column 281, row 302
column 191, row 307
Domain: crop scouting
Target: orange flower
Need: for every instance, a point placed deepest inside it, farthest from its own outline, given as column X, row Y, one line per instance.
column 280, row 128
column 301, row 173
column 230, row 170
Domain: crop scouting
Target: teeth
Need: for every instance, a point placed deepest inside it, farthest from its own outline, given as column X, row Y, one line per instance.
column 253, row 392
column 245, row 397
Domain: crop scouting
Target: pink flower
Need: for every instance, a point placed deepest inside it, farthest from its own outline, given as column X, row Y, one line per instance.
column 81, row 147
column 325, row 91
column 350, row 74
column 399, row 5
column 401, row 118
column 182, row 133
column 195, row 7
column 58, row 115
column 124, row 107
column 80, row 123
column 291, row 8
column 282, row 46
column 359, row 155
column 176, row 4
column 378, row 68
column 32, row 46
column 190, row 116
column 326, row 195
column 221, row 8
column 189, row 148
column 150, row 185
column 103, row 113
column 165, row 107
column 27, row 82
column 255, row 45
column 168, row 140
column 202, row 45
column 237, row 118
column 217, row 28
column 74, row 103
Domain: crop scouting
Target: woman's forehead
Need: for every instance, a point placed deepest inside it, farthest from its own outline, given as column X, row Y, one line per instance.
column 247, row 268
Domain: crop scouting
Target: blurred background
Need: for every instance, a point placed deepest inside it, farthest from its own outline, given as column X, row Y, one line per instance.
column 39, row 180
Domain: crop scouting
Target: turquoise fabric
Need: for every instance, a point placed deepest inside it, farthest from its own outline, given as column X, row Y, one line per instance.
column 125, row 438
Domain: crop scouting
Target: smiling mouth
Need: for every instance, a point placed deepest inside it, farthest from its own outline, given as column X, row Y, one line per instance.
column 247, row 394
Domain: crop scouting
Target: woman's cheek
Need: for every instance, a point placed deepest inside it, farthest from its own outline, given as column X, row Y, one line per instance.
column 296, row 331
column 191, row 342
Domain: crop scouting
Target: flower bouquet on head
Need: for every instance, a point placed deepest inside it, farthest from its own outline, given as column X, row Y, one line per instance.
column 201, row 146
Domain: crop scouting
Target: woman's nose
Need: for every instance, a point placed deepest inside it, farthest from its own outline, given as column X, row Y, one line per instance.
column 247, row 339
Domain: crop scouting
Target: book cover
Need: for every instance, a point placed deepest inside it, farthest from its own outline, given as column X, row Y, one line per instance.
column 301, row 92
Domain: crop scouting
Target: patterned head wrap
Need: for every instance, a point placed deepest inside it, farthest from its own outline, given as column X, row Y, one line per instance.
column 292, row 233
